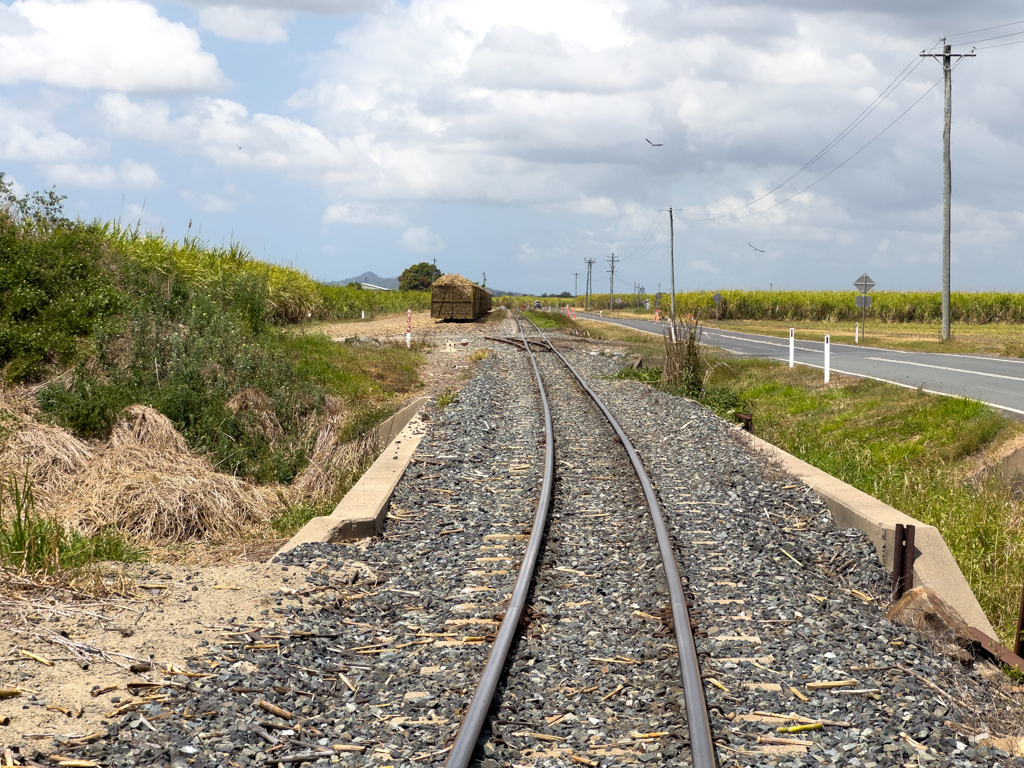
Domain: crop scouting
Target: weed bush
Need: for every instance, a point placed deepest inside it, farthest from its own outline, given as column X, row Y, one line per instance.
column 32, row 544
column 186, row 329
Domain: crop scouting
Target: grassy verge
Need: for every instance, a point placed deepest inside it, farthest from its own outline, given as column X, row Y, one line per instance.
column 909, row 449
column 35, row 546
column 1004, row 339
column 194, row 333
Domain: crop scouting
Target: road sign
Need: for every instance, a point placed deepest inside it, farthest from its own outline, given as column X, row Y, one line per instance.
column 864, row 283
column 864, row 301
column 717, row 298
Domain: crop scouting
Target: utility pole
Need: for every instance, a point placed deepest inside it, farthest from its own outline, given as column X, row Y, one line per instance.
column 484, row 283
column 576, row 284
column 590, row 264
column 672, row 259
column 611, row 295
column 947, row 172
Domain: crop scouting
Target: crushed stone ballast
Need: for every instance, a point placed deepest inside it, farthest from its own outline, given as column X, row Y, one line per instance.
column 372, row 657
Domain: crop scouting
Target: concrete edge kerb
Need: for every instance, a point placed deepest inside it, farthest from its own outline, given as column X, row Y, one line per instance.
column 361, row 513
column 934, row 564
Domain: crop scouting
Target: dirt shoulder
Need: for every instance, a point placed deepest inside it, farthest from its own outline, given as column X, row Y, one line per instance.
column 93, row 645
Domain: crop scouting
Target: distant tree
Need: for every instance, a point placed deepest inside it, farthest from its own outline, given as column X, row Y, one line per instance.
column 565, row 295
column 418, row 277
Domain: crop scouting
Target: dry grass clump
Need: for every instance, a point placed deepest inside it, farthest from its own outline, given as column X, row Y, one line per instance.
column 333, row 461
column 256, row 404
column 158, row 496
column 140, row 425
column 48, row 456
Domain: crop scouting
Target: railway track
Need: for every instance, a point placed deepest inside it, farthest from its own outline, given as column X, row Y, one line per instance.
column 595, row 566
column 370, row 653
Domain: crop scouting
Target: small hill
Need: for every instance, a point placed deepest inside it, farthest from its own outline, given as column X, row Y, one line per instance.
column 371, row 278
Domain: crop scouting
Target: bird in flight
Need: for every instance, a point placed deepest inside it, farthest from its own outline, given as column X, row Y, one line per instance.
column 756, row 249
column 653, row 144
column 238, row 145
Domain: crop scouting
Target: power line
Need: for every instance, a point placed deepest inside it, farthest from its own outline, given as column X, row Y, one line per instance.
column 999, row 45
column 872, row 141
column 987, row 39
column 986, row 29
column 648, row 232
column 906, row 72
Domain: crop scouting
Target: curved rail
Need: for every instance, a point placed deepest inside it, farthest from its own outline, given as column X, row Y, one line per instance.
column 701, row 743
column 465, row 742
column 702, row 747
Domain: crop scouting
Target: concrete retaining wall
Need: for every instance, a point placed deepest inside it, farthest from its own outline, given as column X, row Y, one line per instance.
column 362, row 511
column 934, row 565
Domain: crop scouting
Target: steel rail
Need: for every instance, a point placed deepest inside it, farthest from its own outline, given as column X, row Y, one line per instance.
column 702, row 748
column 465, row 741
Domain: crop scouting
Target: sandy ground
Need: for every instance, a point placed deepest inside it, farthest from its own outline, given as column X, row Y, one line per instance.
column 447, row 367
column 177, row 609
column 182, row 606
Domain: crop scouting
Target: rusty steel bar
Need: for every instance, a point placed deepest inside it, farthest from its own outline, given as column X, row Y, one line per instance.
column 1018, row 639
column 902, row 560
column 702, row 747
column 465, row 741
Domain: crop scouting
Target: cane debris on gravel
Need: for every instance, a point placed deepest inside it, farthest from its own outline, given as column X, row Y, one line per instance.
column 369, row 652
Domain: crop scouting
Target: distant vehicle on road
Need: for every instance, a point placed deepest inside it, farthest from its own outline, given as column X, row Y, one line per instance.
column 536, row 305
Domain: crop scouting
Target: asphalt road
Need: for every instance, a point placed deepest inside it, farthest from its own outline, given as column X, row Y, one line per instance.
column 996, row 381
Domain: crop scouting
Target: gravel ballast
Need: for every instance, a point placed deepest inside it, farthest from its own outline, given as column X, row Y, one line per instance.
column 373, row 656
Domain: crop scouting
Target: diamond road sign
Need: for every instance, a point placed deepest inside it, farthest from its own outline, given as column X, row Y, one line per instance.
column 864, row 301
column 864, row 283
column 717, row 298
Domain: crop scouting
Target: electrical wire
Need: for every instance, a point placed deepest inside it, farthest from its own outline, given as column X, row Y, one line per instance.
column 1000, row 45
column 986, row 29
column 872, row 141
column 822, row 178
column 648, row 251
column 906, row 72
column 987, row 39
column 640, row 245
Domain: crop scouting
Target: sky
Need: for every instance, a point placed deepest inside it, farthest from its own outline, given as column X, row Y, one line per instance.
column 514, row 140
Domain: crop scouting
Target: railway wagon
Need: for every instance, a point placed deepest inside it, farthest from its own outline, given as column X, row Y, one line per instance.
column 453, row 297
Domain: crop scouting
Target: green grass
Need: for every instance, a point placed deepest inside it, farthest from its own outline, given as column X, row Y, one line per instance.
column 186, row 329
column 906, row 448
column 34, row 545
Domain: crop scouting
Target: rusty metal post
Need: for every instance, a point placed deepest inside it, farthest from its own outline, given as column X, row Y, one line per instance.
column 1018, row 639
column 903, row 560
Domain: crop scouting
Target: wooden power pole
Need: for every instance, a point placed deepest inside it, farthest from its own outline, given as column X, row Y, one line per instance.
column 590, row 264
column 946, row 58
column 672, row 260
column 611, row 296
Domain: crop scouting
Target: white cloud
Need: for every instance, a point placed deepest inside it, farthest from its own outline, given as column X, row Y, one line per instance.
column 139, row 175
column 263, row 25
column 701, row 265
column 325, row 7
column 421, row 240
column 361, row 213
column 227, row 200
column 31, row 135
column 121, row 45
column 129, row 175
column 602, row 206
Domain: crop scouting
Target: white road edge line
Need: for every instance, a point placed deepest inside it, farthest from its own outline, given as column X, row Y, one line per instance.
column 947, row 368
column 907, row 386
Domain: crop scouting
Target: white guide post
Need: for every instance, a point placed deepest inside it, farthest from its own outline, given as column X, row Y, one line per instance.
column 792, row 347
column 828, row 354
column 856, row 333
column 363, row 314
column 408, row 330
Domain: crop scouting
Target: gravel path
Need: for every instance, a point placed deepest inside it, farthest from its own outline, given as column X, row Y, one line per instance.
column 372, row 657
